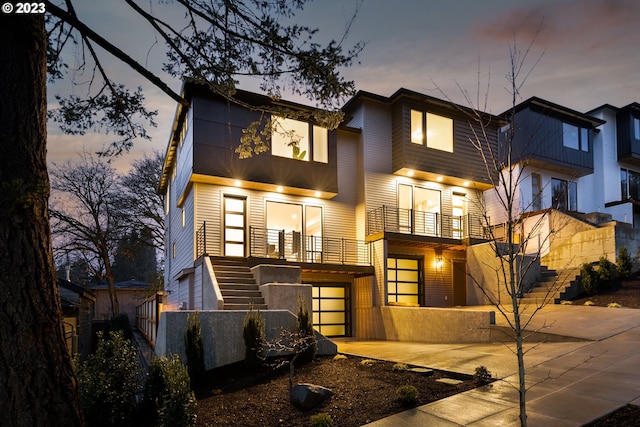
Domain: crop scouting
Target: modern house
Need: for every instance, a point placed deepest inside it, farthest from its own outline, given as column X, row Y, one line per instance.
column 376, row 213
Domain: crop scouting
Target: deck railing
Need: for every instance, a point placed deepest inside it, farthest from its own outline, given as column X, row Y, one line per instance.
column 294, row 246
column 410, row 221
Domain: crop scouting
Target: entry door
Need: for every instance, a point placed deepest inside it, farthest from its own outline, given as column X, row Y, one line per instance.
column 458, row 212
column 459, row 283
column 235, row 220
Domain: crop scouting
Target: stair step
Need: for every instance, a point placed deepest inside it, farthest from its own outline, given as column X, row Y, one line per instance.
column 244, row 300
column 239, row 286
column 240, row 293
column 244, row 306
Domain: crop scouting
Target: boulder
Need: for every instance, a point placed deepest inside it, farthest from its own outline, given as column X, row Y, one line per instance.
column 308, row 396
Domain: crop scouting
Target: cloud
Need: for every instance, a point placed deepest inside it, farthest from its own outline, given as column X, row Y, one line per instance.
column 586, row 24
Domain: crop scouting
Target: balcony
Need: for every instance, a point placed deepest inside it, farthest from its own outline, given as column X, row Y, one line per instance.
column 295, row 247
column 390, row 219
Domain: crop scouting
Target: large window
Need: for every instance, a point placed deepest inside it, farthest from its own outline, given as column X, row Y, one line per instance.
column 439, row 130
column 564, row 195
column 630, row 184
column 575, row 137
column 295, row 230
column 403, row 281
column 299, row 140
column 331, row 309
column 419, row 210
column 636, row 128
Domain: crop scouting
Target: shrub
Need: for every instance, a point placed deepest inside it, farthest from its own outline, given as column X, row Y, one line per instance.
column 120, row 322
column 589, row 303
column 482, row 375
column 408, row 394
column 605, row 272
column 321, row 420
column 401, row 367
column 108, row 381
column 588, row 279
column 624, row 263
column 565, row 302
column 614, row 305
column 305, row 331
column 339, row 357
column 194, row 350
column 367, row 362
column 178, row 406
column 253, row 334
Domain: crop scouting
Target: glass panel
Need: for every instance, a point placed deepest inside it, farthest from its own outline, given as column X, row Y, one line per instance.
column 234, row 235
column 584, row 139
column 284, row 216
column 559, row 193
column 417, row 136
column 439, row 132
column 392, row 287
column 332, row 318
column 315, row 292
column 316, row 318
column 570, row 136
column 233, row 205
column 233, row 249
column 285, row 133
column 332, row 330
column 314, row 221
column 391, row 262
column 407, row 276
column 634, row 185
column 332, row 292
column 408, row 288
column 408, row 299
column 391, row 275
column 636, row 128
column 624, row 189
column 315, row 306
column 426, row 200
column 320, row 144
column 333, row 304
column 234, row 220
column 573, row 196
column 536, row 204
column 410, row 264
column 404, row 196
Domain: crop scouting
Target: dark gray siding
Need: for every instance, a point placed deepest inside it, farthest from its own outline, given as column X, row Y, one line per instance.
column 538, row 137
column 628, row 146
column 217, row 128
column 464, row 162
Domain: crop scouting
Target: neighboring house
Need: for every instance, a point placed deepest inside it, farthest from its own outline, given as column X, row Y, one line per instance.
column 552, row 150
column 131, row 293
column 378, row 212
column 614, row 187
column 78, row 305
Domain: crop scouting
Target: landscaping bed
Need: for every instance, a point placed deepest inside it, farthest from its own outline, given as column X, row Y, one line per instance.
column 363, row 392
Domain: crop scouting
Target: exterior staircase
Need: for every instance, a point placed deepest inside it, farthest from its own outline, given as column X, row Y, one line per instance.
column 237, row 284
column 553, row 286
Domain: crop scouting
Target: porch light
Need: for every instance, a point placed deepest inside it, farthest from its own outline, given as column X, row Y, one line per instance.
column 439, row 262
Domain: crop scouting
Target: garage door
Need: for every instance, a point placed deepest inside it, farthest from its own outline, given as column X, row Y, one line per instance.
column 331, row 309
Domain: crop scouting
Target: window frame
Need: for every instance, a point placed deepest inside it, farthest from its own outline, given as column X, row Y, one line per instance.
column 569, row 195
column 581, row 142
column 312, row 147
column 419, row 121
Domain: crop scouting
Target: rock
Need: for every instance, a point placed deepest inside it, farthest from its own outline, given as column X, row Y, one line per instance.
column 424, row 371
column 308, row 396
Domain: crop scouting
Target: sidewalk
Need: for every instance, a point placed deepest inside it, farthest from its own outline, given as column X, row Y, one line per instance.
column 569, row 383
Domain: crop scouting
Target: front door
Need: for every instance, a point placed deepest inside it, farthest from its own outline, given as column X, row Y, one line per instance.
column 235, row 220
column 459, row 283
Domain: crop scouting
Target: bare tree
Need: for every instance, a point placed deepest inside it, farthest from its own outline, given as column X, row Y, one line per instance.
column 517, row 241
column 86, row 214
column 220, row 41
column 142, row 199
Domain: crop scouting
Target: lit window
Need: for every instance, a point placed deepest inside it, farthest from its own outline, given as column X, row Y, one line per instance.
column 439, row 132
column 417, row 136
column 320, row 144
column 291, row 139
column 575, row 137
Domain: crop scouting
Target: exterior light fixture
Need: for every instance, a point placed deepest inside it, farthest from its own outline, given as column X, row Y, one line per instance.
column 439, row 179
column 410, row 173
column 237, row 183
column 466, row 183
column 439, row 262
column 317, row 194
column 279, row 189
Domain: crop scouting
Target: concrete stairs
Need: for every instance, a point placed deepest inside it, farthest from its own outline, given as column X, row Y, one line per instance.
column 553, row 286
column 237, row 284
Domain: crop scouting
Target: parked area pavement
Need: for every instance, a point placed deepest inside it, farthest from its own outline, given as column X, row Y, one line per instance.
column 568, row 383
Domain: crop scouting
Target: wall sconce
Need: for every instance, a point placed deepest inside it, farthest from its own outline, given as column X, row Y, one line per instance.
column 439, row 260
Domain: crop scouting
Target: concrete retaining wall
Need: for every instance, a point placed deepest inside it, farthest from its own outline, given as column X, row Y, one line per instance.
column 222, row 334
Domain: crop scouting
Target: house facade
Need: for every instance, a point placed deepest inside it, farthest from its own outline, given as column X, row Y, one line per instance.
column 376, row 213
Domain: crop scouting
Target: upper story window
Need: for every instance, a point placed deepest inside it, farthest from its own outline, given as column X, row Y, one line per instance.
column 575, row 137
column 536, row 192
column 439, row 130
column 636, row 128
column 299, row 140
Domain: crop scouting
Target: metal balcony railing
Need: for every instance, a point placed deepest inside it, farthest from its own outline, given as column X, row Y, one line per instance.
column 294, row 246
column 419, row 223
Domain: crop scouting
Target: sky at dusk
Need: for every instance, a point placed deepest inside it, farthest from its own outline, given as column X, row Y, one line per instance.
column 587, row 50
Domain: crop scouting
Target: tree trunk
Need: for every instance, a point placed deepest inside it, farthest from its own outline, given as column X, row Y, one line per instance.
column 37, row 385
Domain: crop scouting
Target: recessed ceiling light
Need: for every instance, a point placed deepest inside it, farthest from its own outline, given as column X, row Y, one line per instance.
column 439, row 179
column 237, row 183
column 410, row 173
column 317, row 194
column 279, row 189
column 466, row 183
